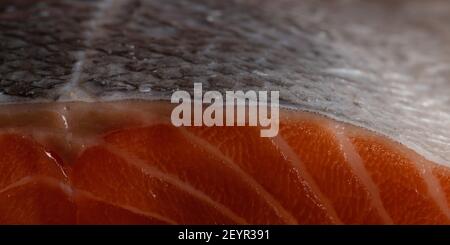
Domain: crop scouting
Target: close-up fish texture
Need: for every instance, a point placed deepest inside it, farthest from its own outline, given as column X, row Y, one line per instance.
column 360, row 119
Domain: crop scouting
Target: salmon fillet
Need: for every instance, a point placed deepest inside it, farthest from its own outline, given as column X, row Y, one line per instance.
column 124, row 162
column 86, row 135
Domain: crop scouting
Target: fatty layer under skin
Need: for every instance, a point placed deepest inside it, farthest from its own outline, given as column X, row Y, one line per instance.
column 382, row 65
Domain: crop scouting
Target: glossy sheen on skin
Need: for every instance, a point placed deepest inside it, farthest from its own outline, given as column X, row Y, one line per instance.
column 382, row 65
column 124, row 162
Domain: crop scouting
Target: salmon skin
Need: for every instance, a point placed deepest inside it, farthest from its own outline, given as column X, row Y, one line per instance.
column 86, row 136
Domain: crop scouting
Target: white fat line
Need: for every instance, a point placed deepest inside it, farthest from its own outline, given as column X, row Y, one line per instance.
column 279, row 142
column 70, row 91
column 356, row 164
column 250, row 180
column 70, row 191
column 174, row 180
column 433, row 186
column 51, row 181
column 424, row 168
column 131, row 209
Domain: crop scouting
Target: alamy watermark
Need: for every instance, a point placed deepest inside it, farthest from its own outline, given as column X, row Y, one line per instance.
column 249, row 108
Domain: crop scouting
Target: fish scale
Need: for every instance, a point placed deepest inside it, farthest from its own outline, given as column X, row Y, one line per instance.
column 72, row 72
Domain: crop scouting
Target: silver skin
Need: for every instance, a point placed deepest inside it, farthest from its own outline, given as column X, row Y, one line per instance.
column 381, row 65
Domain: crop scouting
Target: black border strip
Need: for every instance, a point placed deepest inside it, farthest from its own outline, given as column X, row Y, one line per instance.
column 319, row 233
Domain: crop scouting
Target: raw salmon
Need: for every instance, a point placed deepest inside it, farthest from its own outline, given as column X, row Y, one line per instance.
column 124, row 162
column 86, row 135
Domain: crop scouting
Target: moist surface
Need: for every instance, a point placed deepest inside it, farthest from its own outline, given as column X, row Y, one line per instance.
column 124, row 162
column 382, row 65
